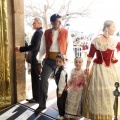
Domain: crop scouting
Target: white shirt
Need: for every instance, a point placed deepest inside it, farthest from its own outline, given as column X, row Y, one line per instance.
column 62, row 80
column 55, row 46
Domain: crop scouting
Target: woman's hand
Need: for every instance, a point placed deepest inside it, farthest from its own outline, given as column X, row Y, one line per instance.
column 66, row 87
column 86, row 71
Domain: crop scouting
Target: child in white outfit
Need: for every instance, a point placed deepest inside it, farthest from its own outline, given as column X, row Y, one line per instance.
column 73, row 107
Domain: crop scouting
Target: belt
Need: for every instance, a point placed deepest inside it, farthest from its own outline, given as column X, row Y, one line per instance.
column 52, row 55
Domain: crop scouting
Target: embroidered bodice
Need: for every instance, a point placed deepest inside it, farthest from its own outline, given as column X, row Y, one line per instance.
column 77, row 79
column 104, row 46
column 104, row 51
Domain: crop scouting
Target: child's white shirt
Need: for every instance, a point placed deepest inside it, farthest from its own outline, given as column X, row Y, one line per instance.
column 62, row 80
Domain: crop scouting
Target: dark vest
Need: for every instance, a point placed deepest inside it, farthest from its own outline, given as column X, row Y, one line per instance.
column 57, row 75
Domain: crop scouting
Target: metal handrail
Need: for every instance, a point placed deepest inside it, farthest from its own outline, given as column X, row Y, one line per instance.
column 116, row 93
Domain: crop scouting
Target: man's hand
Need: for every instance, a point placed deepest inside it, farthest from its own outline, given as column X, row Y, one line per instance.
column 17, row 48
column 59, row 95
column 39, row 67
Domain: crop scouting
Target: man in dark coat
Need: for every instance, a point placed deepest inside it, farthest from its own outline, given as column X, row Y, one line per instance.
column 34, row 48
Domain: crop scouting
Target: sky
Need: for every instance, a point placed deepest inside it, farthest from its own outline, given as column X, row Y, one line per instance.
column 101, row 10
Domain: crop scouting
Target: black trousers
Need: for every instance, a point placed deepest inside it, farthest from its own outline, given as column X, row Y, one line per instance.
column 61, row 103
column 35, row 81
column 47, row 69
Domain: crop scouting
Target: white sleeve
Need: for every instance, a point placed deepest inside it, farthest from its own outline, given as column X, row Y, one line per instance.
column 62, row 82
column 69, row 53
column 42, row 49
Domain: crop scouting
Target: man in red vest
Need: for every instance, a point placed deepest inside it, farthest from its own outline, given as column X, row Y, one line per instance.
column 54, row 41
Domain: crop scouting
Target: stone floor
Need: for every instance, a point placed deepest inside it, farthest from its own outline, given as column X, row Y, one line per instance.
column 51, row 105
column 51, row 92
column 51, row 101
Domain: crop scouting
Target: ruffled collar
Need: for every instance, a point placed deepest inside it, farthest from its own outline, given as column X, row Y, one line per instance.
column 104, row 46
column 77, row 72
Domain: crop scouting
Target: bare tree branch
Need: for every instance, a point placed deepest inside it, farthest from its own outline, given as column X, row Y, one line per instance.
column 44, row 11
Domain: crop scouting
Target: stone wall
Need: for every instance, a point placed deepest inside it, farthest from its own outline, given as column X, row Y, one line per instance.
column 16, row 38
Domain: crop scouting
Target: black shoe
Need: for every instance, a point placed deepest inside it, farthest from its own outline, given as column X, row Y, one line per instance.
column 37, row 101
column 31, row 100
column 39, row 110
